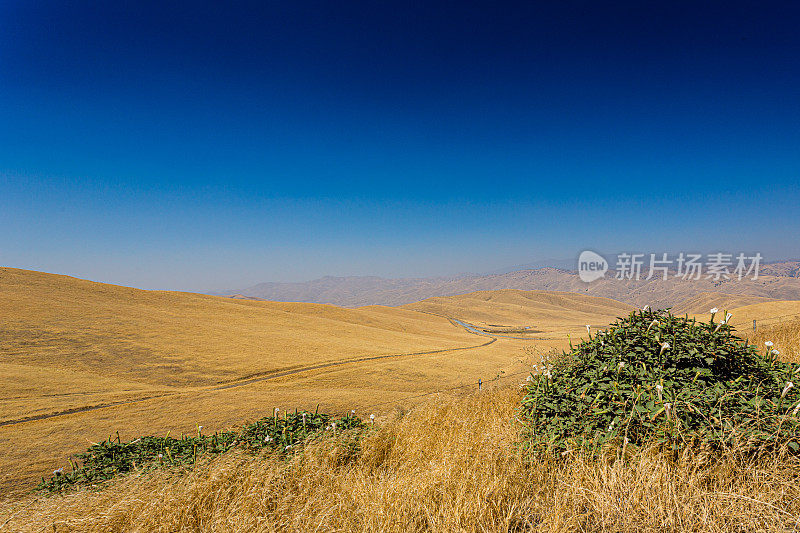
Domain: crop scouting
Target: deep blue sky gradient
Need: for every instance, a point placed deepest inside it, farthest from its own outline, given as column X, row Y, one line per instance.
column 208, row 147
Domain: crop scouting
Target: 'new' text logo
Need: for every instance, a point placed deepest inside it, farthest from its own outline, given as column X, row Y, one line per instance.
column 591, row 266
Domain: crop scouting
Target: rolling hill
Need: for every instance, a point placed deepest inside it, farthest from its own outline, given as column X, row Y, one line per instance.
column 704, row 301
column 162, row 338
column 81, row 360
column 766, row 314
column 541, row 311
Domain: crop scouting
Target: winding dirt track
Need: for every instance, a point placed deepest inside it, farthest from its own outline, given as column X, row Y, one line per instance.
column 248, row 380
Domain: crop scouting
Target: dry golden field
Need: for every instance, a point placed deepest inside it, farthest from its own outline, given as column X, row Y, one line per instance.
column 547, row 312
column 82, row 360
column 702, row 302
column 776, row 321
column 450, row 464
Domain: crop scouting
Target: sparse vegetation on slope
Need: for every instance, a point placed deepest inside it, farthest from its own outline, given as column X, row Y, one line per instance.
column 785, row 337
column 700, row 303
column 101, row 358
column 655, row 377
column 110, row 458
column 450, row 465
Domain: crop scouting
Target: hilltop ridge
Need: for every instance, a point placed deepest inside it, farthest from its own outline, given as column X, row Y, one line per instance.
column 778, row 281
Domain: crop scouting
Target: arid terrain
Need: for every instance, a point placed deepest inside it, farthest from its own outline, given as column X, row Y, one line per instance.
column 539, row 311
column 82, row 360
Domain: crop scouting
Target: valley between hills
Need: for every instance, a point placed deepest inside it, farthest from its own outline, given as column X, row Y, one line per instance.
column 82, row 360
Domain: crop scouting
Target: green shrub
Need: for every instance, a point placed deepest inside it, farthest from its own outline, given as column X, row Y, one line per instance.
column 656, row 377
column 111, row 457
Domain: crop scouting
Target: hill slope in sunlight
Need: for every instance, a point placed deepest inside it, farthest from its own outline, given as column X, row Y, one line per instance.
column 704, row 301
column 539, row 310
column 765, row 314
column 80, row 360
column 169, row 338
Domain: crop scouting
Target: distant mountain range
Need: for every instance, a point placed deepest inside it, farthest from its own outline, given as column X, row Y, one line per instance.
column 776, row 281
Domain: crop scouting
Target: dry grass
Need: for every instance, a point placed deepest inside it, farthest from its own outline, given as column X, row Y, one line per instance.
column 777, row 321
column 766, row 314
column 785, row 337
column 69, row 344
column 549, row 312
column 160, row 339
column 449, row 465
column 702, row 302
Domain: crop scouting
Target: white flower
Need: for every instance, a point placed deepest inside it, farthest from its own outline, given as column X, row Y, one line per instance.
column 353, row 412
column 267, row 439
column 787, row 388
column 768, row 343
column 372, row 417
column 58, row 471
column 589, row 328
column 714, row 310
column 611, row 426
column 621, row 365
column 659, row 390
column 161, row 456
column 775, row 352
column 664, row 347
column 728, row 317
column 645, row 308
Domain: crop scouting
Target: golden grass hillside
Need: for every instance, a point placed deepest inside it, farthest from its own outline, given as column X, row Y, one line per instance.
column 777, row 322
column 81, row 360
column 161, row 338
column 702, row 302
column 765, row 314
column 543, row 311
column 451, row 464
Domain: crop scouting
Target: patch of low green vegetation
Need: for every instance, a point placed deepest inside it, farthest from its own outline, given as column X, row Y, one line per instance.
column 654, row 377
column 283, row 435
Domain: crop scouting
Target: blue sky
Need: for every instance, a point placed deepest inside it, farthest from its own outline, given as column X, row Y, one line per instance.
column 208, row 147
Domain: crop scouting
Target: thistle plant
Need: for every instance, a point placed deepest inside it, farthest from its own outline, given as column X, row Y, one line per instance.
column 656, row 377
